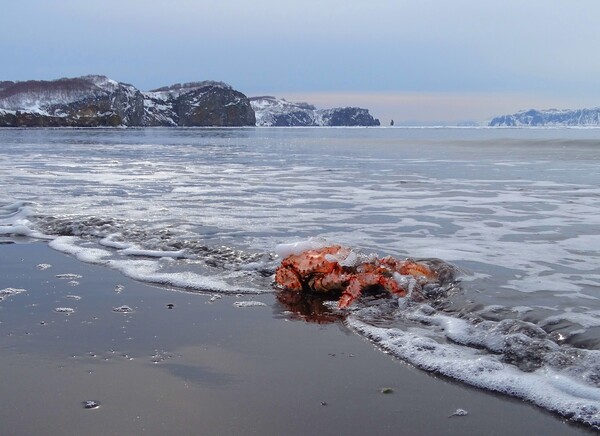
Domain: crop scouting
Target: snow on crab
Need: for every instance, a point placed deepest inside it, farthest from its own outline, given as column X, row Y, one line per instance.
column 337, row 269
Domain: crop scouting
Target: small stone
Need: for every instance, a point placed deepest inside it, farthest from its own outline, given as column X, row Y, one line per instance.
column 170, row 306
column 387, row 391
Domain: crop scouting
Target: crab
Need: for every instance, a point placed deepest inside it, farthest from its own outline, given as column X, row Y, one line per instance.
column 336, row 269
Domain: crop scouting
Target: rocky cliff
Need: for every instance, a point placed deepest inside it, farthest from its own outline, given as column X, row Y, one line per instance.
column 550, row 117
column 84, row 101
column 206, row 103
column 271, row 111
column 93, row 101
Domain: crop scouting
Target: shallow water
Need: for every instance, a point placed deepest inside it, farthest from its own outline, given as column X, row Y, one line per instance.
column 516, row 210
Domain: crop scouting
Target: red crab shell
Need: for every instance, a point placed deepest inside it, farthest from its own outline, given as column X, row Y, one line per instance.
column 319, row 270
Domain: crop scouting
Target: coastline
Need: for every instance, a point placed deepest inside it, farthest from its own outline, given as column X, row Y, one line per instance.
column 205, row 366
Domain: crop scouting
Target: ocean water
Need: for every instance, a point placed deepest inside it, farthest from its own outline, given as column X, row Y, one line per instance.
column 515, row 211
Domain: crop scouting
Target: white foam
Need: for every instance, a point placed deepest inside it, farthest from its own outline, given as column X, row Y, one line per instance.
column 131, row 251
column 68, row 276
column 68, row 244
column 110, row 242
column 9, row 292
column 149, row 271
column 545, row 387
column 285, row 250
column 587, row 320
column 123, row 309
column 67, row 310
column 249, row 304
column 14, row 221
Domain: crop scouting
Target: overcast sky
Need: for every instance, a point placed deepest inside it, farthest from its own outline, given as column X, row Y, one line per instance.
column 408, row 60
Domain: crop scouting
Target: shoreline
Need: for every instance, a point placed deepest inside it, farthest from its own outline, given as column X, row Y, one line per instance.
column 206, row 366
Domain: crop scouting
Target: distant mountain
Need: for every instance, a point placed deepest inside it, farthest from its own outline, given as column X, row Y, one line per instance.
column 271, row 111
column 550, row 117
column 92, row 101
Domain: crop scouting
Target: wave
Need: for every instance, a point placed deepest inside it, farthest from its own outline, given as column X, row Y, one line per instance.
column 500, row 348
column 153, row 256
column 512, row 357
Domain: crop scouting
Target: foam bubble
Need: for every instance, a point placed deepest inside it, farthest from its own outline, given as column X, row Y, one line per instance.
column 66, row 310
column 249, row 304
column 123, row 309
column 9, row 292
column 68, row 276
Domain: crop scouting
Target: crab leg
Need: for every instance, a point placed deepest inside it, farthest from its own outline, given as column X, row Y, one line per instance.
column 359, row 282
column 351, row 293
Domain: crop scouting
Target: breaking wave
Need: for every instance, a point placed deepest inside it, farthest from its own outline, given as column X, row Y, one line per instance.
column 160, row 256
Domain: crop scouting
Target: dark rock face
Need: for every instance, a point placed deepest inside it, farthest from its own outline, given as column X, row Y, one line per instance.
column 292, row 119
column 214, row 106
column 550, row 117
column 94, row 101
column 349, row 116
column 29, row 119
column 198, row 104
column 271, row 111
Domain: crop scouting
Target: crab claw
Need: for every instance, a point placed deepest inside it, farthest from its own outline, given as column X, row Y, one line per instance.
column 288, row 279
column 416, row 269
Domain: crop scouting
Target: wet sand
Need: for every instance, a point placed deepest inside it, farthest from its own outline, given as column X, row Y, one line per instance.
column 205, row 366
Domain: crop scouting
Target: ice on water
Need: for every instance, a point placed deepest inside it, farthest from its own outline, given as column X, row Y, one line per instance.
column 215, row 210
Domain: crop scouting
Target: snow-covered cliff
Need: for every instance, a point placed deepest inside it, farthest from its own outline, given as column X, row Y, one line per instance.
column 271, row 111
column 550, row 117
column 99, row 101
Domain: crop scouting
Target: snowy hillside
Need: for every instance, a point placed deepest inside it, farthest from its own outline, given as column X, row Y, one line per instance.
column 99, row 101
column 274, row 112
column 550, row 117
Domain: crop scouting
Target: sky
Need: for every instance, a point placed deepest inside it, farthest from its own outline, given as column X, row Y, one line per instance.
column 417, row 61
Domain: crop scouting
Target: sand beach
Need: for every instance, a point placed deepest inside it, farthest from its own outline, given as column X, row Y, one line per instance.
column 160, row 361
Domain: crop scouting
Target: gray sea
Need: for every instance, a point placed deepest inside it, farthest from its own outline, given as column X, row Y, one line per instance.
column 515, row 211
